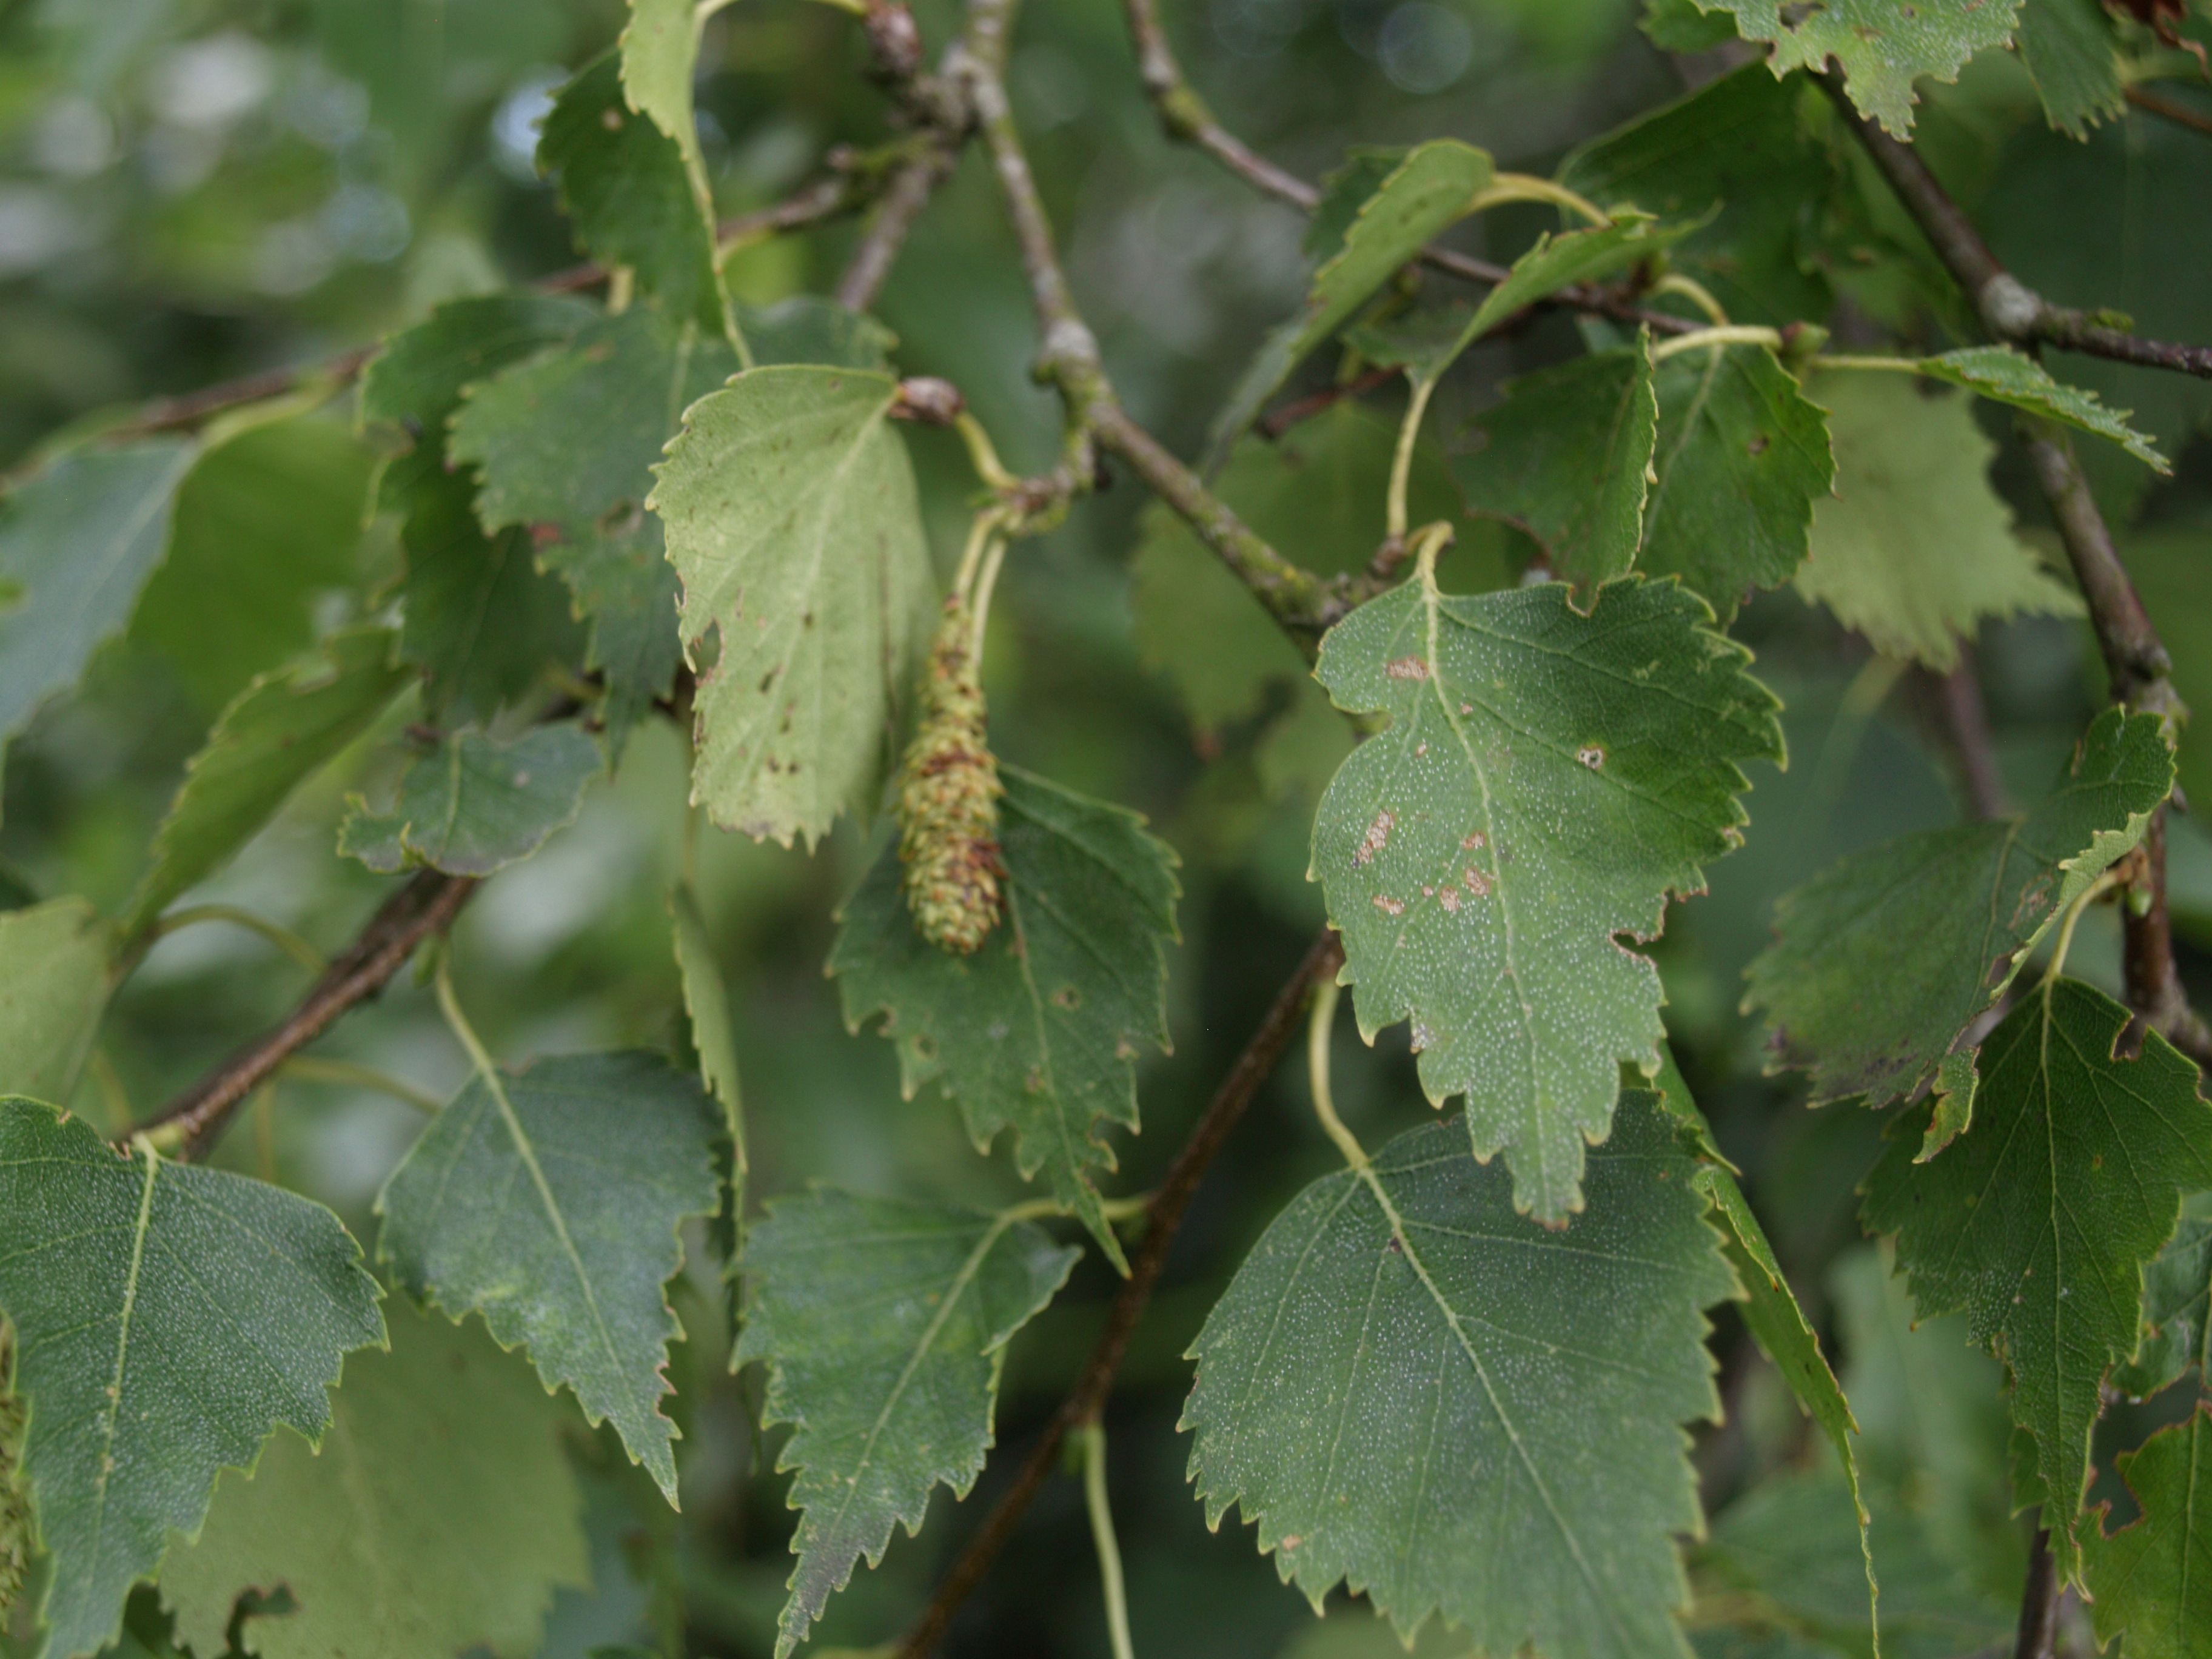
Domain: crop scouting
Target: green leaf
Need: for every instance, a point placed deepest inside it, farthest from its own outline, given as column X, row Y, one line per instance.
column 1737, row 146
column 476, row 804
column 1881, row 961
column 1548, row 779
column 806, row 328
column 167, row 1318
column 77, row 543
column 1039, row 1030
column 1316, row 493
column 1561, row 261
column 2148, row 1578
column 1679, row 25
column 1784, row 1559
column 1881, row 47
column 56, row 971
column 1915, row 549
column 629, row 190
column 2006, row 376
column 1771, row 1309
column 264, row 523
column 1344, row 190
column 706, row 1007
column 549, row 1200
column 1433, row 186
column 2168, row 565
column 792, row 519
column 2069, row 49
column 565, row 444
column 281, row 730
column 887, row 1404
column 1564, row 457
column 659, row 49
column 2176, row 1324
column 1932, row 1422
column 1740, row 459
column 440, row 1514
column 482, row 621
column 1428, row 343
column 411, row 388
column 2038, row 1220
column 1411, row 1388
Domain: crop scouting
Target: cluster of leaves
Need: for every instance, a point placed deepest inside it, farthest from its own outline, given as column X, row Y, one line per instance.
column 1455, row 1379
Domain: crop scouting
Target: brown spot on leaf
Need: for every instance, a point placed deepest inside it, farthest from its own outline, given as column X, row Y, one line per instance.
column 1407, row 668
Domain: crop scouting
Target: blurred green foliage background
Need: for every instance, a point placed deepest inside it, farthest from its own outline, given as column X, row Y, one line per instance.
column 195, row 189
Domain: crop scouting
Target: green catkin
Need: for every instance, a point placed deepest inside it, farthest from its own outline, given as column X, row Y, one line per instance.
column 948, row 804
column 14, row 1501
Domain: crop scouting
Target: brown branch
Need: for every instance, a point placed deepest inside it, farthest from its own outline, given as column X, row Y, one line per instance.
column 1184, row 116
column 2039, row 1603
column 1959, row 693
column 912, row 185
column 425, row 906
column 1163, row 1216
column 2008, row 308
column 2164, row 107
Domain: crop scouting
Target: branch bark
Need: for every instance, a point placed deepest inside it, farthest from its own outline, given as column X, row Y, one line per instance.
column 1163, row 1216
column 2009, row 309
column 425, row 906
column 1184, row 116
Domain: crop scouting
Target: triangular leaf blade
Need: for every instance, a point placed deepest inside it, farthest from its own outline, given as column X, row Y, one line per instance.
column 549, row 1200
column 887, row 1406
column 167, row 1319
column 1039, row 1030
column 1411, row 1388
column 1548, row 779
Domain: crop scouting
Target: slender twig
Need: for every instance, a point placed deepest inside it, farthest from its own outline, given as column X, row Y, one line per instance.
column 238, row 916
column 2135, row 659
column 2039, row 1603
column 1184, row 116
column 1162, row 1217
column 426, row 906
column 2166, row 109
column 2008, row 308
column 912, row 185
column 1301, row 602
column 1967, row 719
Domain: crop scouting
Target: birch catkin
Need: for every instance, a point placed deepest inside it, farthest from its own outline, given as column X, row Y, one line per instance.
column 948, row 804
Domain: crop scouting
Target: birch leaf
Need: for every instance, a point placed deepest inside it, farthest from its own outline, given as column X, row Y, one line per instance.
column 1413, row 1390
column 1880, row 961
column 166, row 1318
column 1547, row 779
column 792, row 519
column 549, row 1200
column 886, row 1406
column 1040, row 1029
column 2039, row 1219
